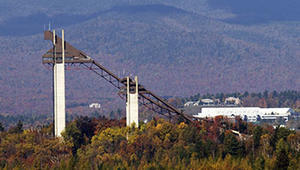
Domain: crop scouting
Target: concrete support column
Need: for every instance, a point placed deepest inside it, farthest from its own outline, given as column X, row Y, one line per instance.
column 59, row 91
column 132, row 104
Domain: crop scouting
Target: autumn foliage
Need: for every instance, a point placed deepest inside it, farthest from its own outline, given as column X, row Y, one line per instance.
column 90, row 143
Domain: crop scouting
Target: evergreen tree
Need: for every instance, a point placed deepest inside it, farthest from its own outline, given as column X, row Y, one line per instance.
column 282, row 158
column 283, row 133
column 274, row 94
column 266, row 94
column 259, row 163
column 232, row 145
column 18, row 128
column 86, row 126
column 257, row 132
column 1, row 127
column 73, row 135
column 246, row 94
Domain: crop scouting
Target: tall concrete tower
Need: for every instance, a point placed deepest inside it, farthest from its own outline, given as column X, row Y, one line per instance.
column 132, row 104
column 59, row 88
column 61, row 52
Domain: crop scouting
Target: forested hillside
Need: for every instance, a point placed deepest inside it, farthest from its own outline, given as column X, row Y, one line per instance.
column 264, row 99
column 107, row 144
column 176, row 48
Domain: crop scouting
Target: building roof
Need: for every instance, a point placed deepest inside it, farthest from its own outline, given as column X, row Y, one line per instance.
column 232, row 98
column 276, row 110
column 242, row 111
column 207, row 100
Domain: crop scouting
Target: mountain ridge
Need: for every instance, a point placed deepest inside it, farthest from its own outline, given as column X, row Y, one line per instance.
column 178, row 54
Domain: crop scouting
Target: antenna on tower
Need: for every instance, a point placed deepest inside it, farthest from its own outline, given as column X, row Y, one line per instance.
column 49, row 26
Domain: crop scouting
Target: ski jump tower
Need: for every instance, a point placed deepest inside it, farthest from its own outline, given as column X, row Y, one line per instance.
column 59, row 103
column 132, row 103
column 62, row 53
column 59, row 90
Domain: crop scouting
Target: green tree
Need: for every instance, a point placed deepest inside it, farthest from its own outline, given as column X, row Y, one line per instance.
column 246, row 94
column 80, row 132
column 257, row 132
column 274, row 94
column 259, row 163
column 283, row 133
column 232, row 145
column 266, row 149
column 18, row 128
column 86, row 126
column 282, row 158
column 1, row 127
column 266, row 94
column 73, row 135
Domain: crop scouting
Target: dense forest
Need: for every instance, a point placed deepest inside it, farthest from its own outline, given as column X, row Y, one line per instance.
column 100, row 143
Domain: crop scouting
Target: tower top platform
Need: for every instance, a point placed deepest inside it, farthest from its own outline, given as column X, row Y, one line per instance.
column 54, row 55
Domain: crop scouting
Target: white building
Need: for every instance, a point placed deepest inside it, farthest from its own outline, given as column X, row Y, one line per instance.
column 251, row 114
column 95, row 105
column 187, row 104
column 207, row 101
column 197, row 103
column 232, row 100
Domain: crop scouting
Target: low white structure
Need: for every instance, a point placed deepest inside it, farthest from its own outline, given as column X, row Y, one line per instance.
column 200, row 102
column 207, row 101
column 251, row 114
column 232, row 100
column 197, row 103
column 187, row 104
column 95, row 105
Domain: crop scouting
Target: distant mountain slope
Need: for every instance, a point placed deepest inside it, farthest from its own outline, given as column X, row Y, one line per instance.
column 235, row 11
column 173, row 51
column 258, row 11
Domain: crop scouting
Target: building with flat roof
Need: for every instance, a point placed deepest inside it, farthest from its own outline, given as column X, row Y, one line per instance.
column 95, row 105
column 232, row 101
column 250, row 114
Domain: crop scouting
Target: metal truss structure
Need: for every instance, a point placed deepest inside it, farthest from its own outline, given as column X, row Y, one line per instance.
column 75, row 57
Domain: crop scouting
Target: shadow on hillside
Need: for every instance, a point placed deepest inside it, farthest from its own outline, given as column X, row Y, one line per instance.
column 259, row 11
column 36, row 23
